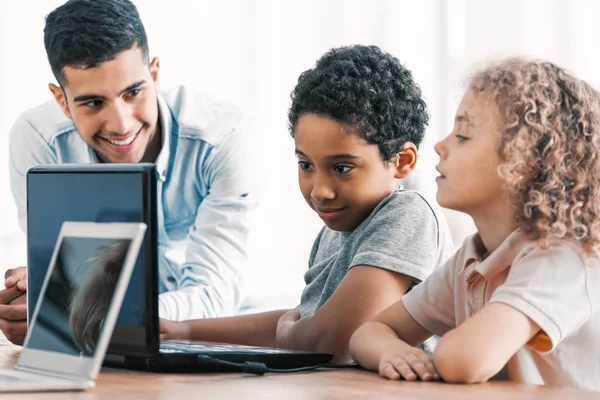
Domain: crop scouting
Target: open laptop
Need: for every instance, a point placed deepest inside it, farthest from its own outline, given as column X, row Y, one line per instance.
column 128, row 193
column 78, row 305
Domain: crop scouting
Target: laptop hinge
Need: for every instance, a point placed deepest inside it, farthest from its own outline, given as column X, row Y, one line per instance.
column 68, row 377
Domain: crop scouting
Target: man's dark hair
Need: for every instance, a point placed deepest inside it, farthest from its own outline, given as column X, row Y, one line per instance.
column 86, row 33
column 368, row 90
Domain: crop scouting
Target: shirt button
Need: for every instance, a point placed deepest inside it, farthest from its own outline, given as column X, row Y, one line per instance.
column 171, row 279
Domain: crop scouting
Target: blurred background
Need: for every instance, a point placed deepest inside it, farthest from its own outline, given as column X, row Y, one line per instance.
column 252, row 51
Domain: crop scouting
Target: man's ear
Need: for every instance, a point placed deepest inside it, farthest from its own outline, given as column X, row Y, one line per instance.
column 406, row 160
column 61, row 99
column 155, row 70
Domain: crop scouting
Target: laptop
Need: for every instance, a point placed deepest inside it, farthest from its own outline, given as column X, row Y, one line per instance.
column 77, row 308
column 128, row 193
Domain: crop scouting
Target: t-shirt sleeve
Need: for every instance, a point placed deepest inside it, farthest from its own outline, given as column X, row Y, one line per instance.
column 432, row 302
column 402, row 236
column 557, row 288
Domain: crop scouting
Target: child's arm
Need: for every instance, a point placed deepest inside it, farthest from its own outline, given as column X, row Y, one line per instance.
column 363, row 293
column 252, row 329
column 481, row 346
column 377, row 346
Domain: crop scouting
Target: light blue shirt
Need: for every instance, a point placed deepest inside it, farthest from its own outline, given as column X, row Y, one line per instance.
column 209, row 184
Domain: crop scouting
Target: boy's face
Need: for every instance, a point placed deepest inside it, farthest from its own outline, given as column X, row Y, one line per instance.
column 342, row 177
column 469, row 160
column 114, row 106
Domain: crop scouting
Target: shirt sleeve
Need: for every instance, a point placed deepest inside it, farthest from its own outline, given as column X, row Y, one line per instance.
column 402, row 236
column 27, row 148
column 556, row 288
column 211, row 280
column 432, row 302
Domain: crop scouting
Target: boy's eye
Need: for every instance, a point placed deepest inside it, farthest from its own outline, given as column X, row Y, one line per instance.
column 304, row 165
column 343, row 169
column 461, row 138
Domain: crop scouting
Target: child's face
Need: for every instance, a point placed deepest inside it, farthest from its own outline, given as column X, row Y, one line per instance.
column 469, row 160
column 342, row 177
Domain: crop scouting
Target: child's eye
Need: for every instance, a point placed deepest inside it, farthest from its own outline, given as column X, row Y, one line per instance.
column 343, row 169
column 461, row 138
column 304, row 165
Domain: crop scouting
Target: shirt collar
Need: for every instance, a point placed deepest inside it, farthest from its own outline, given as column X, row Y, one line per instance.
column 499, row 260
column 165, row 121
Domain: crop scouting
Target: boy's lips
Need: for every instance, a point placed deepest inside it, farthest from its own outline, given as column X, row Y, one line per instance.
column 328, row 213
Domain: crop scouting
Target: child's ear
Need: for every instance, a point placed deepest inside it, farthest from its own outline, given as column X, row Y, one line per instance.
column 61, row 99
column 406, row 160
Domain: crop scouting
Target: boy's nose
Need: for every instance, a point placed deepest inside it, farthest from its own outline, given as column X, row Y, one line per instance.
column 322, row 189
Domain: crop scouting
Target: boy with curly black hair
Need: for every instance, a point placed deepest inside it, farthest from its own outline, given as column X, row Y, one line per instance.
column 357, row 120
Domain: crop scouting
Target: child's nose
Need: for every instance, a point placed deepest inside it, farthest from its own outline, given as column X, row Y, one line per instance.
column 322, row 189
column 440, row 149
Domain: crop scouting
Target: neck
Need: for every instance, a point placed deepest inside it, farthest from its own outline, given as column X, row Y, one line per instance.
column 494, row 224
column 154, row 146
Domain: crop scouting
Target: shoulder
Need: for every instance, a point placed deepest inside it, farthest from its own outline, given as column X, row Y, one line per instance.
column 46, row 120
column 202, row 116
column 406, row 205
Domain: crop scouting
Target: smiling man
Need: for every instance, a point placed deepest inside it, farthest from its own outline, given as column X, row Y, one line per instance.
column 107, row 109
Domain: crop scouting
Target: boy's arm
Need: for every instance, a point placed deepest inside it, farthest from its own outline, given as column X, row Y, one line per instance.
column 393, row 327
column 363, row 293
column 481, row 346
column 252, row 329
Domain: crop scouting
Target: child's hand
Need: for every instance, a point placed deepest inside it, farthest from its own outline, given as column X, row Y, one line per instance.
column 174, row 330
column 410, row 363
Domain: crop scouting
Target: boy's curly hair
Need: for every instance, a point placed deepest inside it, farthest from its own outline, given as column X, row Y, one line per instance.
column 366, row 89
column 550, row 145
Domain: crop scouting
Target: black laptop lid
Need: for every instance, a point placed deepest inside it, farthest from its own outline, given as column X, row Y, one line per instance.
column 99, row 193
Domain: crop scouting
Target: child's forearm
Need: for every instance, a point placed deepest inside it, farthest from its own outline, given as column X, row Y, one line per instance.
column 369, row 343
column 252, row 329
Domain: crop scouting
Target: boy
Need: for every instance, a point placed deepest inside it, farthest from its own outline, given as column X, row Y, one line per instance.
column 357, row 119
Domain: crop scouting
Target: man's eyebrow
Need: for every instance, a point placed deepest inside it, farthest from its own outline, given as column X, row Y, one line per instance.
column 88, row 97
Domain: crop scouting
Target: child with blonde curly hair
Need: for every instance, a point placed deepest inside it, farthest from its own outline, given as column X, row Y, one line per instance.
column 523, row 162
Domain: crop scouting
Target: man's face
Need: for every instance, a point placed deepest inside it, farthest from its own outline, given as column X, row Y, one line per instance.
column 114, row 106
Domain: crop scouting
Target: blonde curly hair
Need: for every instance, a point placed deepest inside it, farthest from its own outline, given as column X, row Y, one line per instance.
column 550, row 147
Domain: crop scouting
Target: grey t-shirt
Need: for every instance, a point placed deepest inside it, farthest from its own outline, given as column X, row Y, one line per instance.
column 404, row 234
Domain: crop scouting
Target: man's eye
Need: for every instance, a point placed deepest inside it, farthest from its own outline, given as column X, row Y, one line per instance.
column 343, row 169
column 133, row 92
column 93, row 103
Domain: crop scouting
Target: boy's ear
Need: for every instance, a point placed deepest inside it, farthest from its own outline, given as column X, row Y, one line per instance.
column 61, row 99
column 406, row 160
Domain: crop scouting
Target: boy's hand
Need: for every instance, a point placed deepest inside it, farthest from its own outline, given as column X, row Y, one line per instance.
column 174, row 330
column 410, row 363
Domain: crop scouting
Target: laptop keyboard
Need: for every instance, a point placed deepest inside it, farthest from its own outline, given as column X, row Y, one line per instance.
column 173, row 346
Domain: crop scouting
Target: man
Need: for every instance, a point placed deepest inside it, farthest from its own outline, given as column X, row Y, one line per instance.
column 107, row 109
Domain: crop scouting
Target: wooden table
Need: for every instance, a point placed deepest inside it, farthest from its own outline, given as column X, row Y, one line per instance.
column 326, row 384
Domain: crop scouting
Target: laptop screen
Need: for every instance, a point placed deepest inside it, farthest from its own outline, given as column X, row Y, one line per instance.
column 99, row 193
column 78, row 295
